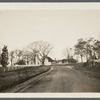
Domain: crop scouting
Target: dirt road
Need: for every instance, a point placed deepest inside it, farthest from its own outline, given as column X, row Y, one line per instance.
column 63, row 79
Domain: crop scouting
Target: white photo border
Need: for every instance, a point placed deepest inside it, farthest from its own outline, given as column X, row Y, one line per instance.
column 50, row 6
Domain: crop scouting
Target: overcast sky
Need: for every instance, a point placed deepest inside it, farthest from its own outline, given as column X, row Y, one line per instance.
column 61, row 28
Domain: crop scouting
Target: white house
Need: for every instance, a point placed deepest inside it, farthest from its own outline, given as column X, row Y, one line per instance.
column 47, row 61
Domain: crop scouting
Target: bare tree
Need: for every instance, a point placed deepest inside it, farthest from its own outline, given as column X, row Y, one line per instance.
column 67, row 53
column 40, row 49
column 18, row 54
column 27, row 56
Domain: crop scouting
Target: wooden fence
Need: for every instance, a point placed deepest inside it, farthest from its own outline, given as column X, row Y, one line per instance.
column 13, row 68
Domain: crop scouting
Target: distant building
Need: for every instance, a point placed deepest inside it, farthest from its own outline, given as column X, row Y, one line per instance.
column 65, row 61
column 59, row 61
column 47, row 61
column 35, row 61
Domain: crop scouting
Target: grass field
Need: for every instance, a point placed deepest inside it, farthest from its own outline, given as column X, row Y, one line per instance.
column 93, row 71
column 12, row 78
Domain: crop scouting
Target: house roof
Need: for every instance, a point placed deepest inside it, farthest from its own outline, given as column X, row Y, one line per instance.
column 49, row 58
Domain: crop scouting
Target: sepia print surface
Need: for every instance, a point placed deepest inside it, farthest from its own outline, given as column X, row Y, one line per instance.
column 50, row 51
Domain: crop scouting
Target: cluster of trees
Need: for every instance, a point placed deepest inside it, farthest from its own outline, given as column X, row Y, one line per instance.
column 37, row 49
column 28, row 55
column 88, row 49
column 70, row 60
column 85, row 48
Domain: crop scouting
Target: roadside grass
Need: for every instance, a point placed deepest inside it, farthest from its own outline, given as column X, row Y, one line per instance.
column 12, row 78
column 92, row 72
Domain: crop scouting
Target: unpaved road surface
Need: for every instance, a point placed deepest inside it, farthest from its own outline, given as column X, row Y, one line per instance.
column 62, row 79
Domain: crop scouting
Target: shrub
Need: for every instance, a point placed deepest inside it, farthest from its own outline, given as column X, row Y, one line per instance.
column 21, row 62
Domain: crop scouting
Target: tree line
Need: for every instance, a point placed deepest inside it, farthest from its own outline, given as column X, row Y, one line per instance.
column 89, row 49
column 85, row 48
column 39, row 49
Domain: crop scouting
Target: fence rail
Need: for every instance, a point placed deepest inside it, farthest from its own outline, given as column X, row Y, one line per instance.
column 13, row 68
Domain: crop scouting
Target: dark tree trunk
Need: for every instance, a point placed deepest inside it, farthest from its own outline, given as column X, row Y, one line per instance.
column 4, row 69
column 11, row 62
column 81, row 58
